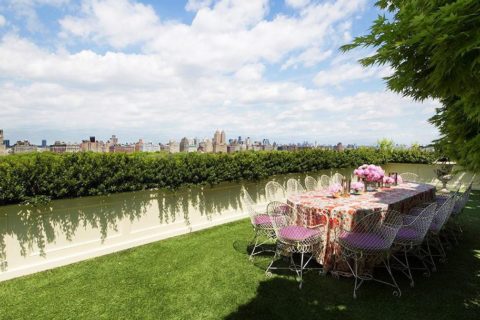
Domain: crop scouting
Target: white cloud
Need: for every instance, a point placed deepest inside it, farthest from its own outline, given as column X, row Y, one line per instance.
column 3, row 21
column 297, row 3
column 119, row 23
column 195, row 5
column 339, row 74
column 26, row 10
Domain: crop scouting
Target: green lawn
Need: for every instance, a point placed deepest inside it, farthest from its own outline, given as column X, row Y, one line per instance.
column 207, row 275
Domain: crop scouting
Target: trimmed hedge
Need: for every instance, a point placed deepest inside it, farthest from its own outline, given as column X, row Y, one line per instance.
column 57, row 176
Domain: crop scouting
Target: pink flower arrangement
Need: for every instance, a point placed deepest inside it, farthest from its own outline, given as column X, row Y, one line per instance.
column 357, row 186
column 370, row 172
column 335, row 189
column 388, row 180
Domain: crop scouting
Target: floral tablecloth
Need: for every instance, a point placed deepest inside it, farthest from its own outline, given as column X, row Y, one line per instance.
column 400, row 198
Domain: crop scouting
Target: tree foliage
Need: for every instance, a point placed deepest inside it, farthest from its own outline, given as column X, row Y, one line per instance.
column 23, row 177
column 433, row 47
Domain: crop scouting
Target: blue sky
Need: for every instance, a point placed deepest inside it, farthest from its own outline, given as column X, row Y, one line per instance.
column 161, row 70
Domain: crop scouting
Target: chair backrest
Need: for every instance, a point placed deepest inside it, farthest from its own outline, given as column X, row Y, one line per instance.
column 442, row 214
column 248, row 203
column 294, row 186
column 409, row 177
column 311, row 184
column 420, row 223
column 275, row 192
column 324, row 181
column 374, row 232
column 281, row 215
column 337, row 178
column 461, row 200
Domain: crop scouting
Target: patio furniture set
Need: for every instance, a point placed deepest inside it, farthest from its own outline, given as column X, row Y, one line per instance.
column 403, row 227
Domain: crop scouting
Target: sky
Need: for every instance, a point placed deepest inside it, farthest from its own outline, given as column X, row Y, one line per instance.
column 165, row 69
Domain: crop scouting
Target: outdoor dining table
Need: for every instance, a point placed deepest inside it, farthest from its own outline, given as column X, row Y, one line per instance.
column 402, row 198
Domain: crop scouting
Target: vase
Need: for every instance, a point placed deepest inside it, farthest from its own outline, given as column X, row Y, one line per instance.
column 370, row 186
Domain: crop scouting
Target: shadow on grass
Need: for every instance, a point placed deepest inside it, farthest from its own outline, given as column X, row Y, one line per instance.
column 453, row 292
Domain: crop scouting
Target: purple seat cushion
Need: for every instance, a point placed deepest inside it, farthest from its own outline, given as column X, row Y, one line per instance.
column 407, row 233
column 297, row 233
column 435, row 226
column 366, row 241
column 263, row 219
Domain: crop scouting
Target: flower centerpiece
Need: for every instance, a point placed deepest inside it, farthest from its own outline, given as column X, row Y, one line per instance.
column 388, row 181
column 357, row 187
column 370, row 174
column 335, row 190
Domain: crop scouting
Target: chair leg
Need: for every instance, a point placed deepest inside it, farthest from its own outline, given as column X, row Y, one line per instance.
column 434, row 267
column 396, row 292
column 412, row 283
column 301, row 270
column 255, row 241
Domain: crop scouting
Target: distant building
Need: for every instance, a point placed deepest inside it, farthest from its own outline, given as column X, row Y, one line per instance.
column 142, row 146
column 205, row 146
column 62, row 147
column 173, row 146
column 184, row 144
column 339, row 147
column 119, row 148
column 3, row 148
column 93, row 145
column 44, row 143
column 114, row 140
column 24, row 147
column 6, row 143
column 220, row 142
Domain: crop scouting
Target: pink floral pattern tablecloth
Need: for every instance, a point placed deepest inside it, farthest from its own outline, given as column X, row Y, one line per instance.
column 400, row 198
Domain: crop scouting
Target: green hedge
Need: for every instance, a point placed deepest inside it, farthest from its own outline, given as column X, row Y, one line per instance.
column 54, row 176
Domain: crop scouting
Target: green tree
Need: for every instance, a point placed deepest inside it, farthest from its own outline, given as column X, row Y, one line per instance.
column 433, row 47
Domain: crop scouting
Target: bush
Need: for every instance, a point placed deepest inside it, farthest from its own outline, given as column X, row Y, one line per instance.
column 23, row 177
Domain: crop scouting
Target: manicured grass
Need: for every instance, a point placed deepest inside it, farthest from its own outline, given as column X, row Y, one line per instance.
column 207, row 275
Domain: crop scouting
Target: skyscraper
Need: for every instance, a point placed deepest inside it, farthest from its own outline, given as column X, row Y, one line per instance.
column 44, row 143
column 2, row 146
column 217, row 137
column 184, row 144
column 219, row 142
column 223, row 137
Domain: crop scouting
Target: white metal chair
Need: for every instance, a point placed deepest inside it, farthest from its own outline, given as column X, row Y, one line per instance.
column 371, row 239
column 262, row 226
column 410, row 238
column 311, row 184
column 294, row 187
column 409, row 177
column 441, row 216
column 337, row 178
column 324, row 181
column 293, row 236
column 275, row 192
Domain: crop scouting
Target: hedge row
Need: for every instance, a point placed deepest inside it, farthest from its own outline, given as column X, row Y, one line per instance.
column 55, row 176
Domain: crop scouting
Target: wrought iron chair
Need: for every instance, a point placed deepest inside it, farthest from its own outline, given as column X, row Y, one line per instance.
column 441, row 216
column 324, row 181
column 410, row 238
column 262, row 226
column 275, row 192
column 293, row 236
column 371, row 239
column 454, row 227
column 294, row 187
column 337, row 178
column 409, row 177
column 311, row 184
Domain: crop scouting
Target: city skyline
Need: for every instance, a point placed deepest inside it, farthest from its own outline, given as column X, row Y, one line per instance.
column 71, row 69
